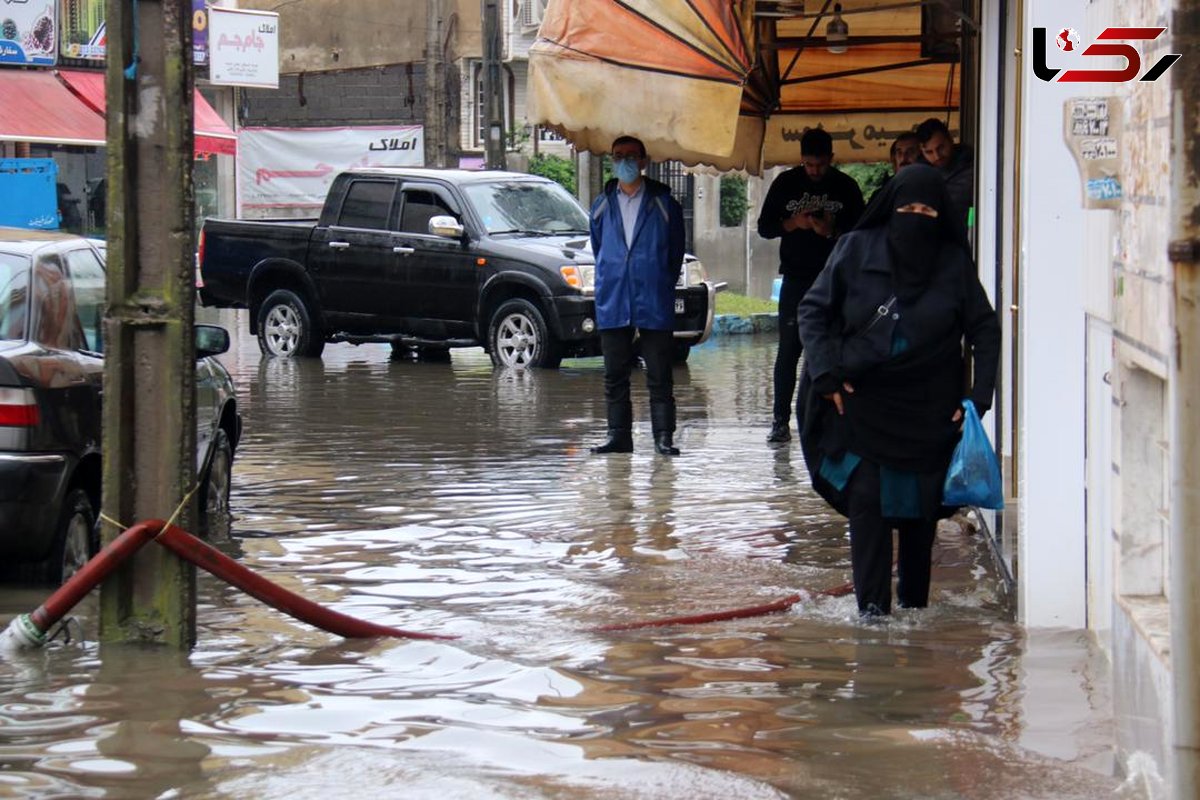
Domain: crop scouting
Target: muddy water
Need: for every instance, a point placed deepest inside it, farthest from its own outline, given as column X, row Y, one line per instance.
column 457, row 499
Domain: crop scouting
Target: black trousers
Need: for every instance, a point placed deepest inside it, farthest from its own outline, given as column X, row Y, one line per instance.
column 787, row 357
column 620, row 357
column 871, row 549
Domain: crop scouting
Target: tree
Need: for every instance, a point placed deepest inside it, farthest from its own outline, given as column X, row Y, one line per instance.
column 556, row 168
column 733, row 200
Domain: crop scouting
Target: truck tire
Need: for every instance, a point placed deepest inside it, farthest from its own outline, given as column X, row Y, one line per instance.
column 680, row 352
column 286, row 328
column 518, row 337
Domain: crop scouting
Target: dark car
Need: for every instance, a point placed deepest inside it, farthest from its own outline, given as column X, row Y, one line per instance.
column 428, row 259
column 52, row 299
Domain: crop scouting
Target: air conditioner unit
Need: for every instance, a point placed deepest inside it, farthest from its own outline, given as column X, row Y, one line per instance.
column 531, row 12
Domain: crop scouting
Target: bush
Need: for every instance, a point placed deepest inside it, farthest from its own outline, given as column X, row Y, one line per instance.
column 868, row 176
column 733, row 200
column 556, row 168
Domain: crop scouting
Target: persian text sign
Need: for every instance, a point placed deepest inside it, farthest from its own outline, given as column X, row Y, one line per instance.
column 28, row 33
column 199, row 31
column 243, row 47
column 292, row 168
column 1092, row 129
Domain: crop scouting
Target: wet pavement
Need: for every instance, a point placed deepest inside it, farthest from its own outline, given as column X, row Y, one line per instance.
column 458, row 499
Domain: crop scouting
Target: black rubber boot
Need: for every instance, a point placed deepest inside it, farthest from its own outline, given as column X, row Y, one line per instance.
column 620, row 430
column 620, row 440
column 662, row 423
column 780, row 431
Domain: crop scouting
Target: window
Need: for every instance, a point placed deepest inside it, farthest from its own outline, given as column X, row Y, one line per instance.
column 14, row 295
column 419, row 207
column 368, row 204
column 87, row 284
column 55, row 323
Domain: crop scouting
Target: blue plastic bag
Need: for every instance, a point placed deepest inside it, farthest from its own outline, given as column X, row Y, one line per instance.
column 974, row 475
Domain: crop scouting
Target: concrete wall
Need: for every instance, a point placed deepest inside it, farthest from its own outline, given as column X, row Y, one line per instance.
column 321, row 35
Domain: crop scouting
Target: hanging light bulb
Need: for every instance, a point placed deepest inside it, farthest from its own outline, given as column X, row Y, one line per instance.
column 837, row 31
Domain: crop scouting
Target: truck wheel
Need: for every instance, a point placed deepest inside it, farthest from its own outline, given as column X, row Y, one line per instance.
column 74, row 539
column 214, row 496
column 285, row 327
column 518, row 337
column 680, row 352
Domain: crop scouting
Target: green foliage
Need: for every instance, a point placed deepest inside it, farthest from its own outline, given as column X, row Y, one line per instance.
column 869, row 176
column 733, row 200
column 556, row 168
column 743, row 306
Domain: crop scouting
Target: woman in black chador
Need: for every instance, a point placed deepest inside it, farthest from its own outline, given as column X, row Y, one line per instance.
column 883, row 330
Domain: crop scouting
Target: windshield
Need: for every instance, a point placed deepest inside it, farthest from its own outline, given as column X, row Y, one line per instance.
column 14, row 295
column 527, row 207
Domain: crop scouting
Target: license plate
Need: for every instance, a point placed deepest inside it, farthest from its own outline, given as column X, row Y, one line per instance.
column 678, row 305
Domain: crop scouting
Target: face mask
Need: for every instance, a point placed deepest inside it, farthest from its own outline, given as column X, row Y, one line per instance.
column 626, row 170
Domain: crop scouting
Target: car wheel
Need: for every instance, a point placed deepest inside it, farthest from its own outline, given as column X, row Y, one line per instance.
column 215, row 517
column 286, row 328
column 74, row 539
column 518, row 337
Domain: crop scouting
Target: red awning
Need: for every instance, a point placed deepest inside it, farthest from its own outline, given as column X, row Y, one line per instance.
column 212, row 134
column 35, row 107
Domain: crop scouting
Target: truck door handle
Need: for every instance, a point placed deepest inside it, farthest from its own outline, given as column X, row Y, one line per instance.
column 339, row 245
column 404, row 251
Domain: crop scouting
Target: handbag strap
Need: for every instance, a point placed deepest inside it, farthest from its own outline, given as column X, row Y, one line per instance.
column 881, row 312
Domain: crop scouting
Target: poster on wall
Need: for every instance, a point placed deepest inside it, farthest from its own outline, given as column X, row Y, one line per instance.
column 1092, row 129
column 291, row 168
column 82, row 33
column 243, row 48
column 28, row 32
column 199, row 32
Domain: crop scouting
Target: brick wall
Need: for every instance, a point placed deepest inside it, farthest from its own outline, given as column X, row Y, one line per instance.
column 392, row 94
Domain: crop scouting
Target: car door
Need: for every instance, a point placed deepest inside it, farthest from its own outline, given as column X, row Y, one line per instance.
column 353, row 261
column 442, row 277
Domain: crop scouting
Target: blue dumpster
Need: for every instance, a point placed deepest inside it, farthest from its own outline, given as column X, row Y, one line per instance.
column 28, row 193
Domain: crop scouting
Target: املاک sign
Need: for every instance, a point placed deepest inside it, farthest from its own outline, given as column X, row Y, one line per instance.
column 292, row 168
column 243, row 47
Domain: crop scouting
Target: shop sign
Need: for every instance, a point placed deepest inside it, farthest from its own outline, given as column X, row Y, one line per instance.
column 293, row 167
column 243, row 48
column 82, row 35
column 199, row 32
column 28, row 32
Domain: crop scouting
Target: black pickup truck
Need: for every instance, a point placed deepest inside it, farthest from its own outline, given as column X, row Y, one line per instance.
column 428, row 259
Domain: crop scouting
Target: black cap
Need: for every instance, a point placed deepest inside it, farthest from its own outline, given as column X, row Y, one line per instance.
column 816, row 142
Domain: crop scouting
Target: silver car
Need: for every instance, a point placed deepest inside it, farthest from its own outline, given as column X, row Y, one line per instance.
column 52, row 299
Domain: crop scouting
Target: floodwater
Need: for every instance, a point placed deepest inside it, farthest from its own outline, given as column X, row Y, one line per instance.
column 457, row 499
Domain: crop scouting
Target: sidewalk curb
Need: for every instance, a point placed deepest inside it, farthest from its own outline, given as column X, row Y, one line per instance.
column 737, row 324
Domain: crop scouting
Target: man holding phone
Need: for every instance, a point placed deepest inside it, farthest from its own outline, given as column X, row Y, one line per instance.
column 807, row 208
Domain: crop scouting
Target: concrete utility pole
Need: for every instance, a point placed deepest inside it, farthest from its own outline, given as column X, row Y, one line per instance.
column 149, row 369
column 493, row 88
column 436, row 145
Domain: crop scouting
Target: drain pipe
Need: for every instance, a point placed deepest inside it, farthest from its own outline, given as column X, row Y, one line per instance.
column 1185, row 401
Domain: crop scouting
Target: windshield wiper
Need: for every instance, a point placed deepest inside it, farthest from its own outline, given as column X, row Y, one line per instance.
column 524, row 232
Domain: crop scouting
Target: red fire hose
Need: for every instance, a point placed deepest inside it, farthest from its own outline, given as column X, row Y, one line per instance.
column 29, row 630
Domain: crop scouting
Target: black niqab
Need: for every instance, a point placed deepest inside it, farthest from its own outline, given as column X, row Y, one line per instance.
column 914, row 240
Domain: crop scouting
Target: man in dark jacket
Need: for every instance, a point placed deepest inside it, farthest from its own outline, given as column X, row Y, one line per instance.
column 955, row 162
column 638, row 239
column 807, row 208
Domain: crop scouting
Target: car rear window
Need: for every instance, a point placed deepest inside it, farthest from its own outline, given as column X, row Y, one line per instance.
column 14, row 295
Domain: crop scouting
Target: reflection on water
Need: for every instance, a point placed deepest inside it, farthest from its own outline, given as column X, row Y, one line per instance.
column 455, row 498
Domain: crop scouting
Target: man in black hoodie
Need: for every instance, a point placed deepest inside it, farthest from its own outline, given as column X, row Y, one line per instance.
column 807, row 208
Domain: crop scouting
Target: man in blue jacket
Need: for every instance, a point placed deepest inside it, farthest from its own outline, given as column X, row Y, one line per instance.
column 638, row 241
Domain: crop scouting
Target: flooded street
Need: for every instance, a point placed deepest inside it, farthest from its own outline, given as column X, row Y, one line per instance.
column 457, row 499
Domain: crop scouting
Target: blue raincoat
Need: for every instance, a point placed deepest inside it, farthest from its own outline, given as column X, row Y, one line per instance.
column 635, row 286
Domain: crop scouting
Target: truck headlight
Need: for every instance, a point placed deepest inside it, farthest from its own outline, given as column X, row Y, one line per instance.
column 693, row 274
column 580, row 276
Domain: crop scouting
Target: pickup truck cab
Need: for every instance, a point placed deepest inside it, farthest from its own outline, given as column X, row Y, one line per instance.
column 428, row 259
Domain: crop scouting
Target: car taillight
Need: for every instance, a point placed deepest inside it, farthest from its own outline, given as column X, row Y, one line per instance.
column 199, row 261
column 18, row 408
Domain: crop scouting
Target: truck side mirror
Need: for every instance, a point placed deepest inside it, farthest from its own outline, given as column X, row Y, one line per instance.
column 447, row 226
